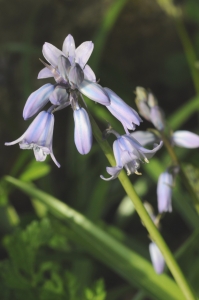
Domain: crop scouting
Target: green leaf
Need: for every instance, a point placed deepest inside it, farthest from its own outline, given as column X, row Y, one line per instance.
column 35, row 170
column 22, row 245
column 105, row 248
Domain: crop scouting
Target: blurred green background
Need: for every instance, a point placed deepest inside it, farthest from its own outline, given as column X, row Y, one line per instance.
column 137, row 43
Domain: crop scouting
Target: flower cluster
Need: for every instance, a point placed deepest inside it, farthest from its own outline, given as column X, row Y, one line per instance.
column 73, row 79
column 148, row 107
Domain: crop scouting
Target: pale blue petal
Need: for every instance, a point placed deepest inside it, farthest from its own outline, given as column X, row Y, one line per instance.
column 76, row 75
column 186, row 139
column 37, row 100
column 113, row 171
column 157, row 258
column 94, row 92
column 59, row 96
column 145, row 137
column 83, row 52
column 83, row 131
column 122, row 111
column 157, row 118
column 69, row 47
column 51, row 54
column 129, row 140
column 89, row 74
column 164, row 192
column 45, row 73
column 39, row 137
column 64, row 66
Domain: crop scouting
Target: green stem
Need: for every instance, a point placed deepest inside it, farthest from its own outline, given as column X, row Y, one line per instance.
column 189, row 51
column 154, row 233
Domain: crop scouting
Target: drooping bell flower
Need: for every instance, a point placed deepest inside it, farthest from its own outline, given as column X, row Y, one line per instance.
column 129, row 153
column 78, row 55
column 185, row 139
column 38, row 137
column 37, row 100
column 164, row 192
column 156, row 258
column 122, row 111
column 83, row 131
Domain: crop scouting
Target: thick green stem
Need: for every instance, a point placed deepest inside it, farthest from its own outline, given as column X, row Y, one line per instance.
column 154, row 233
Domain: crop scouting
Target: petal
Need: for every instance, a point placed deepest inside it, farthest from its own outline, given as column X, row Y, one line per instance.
column 133, row 166
column 114, row 171
column 37, row 100
column 64, row 66
column 94, row 92
column 83, row 52
column 157, row 117
column 59, row 96
column 144, row 110
column 45, row 73
column 132, row 145
column 122, row 111
column 76, row 75
column 89, row 74
column 83, row 131
column 156, row 258
column 69, row 47
column 164, row 192
column 40, row 155
column 117, row 153
column 145, row 137
column 51, row 54
column 186, row 139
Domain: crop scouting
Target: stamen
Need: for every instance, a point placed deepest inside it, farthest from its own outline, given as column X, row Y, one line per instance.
column 137, row 173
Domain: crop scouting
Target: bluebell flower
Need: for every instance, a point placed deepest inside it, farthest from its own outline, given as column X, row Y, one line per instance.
column 38, row 137
column 83, row 131
column 185, row 139
column 70, row 71
column 157, row 258
column 164, row 192
column 128, row 153
column 141, row 101
column 37, row 100
column 148, row 108
column 122, row 111
column 78, row 55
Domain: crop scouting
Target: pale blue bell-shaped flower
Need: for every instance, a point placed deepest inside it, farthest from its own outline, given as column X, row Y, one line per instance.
column 185, row 139
column 38, row 137
column 122, row 111
column 78, row 55
column 37, row 100
column 83, row 131
column 128, row 153
column 157, row 258
column 164, row 192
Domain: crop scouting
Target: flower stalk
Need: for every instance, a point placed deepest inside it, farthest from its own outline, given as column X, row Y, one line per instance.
column 154, row 233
